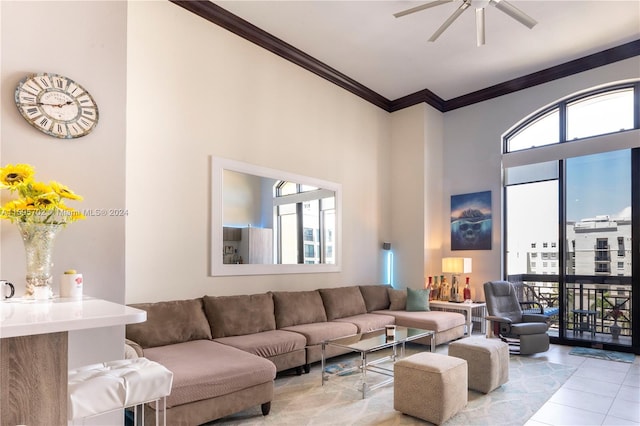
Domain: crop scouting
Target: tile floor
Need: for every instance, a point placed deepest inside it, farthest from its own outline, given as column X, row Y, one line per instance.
column 598, row 393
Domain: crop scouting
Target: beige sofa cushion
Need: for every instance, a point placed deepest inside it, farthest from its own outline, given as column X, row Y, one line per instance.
column 170, row 322
column 376, row 297
column 342, row 302
column 398, row 299
column 298, row 307
column 203, row 369
column 240, row 315
column 268, row 343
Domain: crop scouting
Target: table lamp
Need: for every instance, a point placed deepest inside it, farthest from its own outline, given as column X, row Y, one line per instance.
column 456, row 266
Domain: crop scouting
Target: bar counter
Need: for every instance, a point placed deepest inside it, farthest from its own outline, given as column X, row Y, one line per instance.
column 34, row 353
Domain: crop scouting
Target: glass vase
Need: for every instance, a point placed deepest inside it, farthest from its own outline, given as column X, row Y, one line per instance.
column 38, row 239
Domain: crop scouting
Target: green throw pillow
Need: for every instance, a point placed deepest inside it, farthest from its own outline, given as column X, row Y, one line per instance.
column 417, row 300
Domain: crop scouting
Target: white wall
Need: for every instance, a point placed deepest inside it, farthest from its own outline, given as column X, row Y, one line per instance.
column 416, row 193
column 472, row 149
column 85, row 41
column 88, row 45
column 195, row 90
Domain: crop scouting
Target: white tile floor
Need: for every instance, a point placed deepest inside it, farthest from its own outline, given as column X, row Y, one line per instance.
column 598, row 393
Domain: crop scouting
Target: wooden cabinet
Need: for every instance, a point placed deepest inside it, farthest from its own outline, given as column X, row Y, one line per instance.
column 256, row 245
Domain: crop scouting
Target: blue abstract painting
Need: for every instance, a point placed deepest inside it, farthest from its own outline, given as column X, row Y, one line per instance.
column 471, row 221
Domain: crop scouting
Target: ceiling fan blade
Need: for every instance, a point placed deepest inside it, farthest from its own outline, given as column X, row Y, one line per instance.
column 480, row 26
column 421, row 7
column 514, row 12
column 449, row 21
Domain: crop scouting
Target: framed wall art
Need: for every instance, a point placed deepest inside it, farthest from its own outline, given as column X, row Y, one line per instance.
column 471, row 221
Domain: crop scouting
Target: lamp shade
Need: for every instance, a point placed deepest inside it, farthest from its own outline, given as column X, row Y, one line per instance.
column 456, row 265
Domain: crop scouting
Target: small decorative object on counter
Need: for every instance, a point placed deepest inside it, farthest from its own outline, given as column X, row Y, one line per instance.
column 71, row 284
column 444, row 289
column 467, row 292
column 455, row 290
column 436, row 288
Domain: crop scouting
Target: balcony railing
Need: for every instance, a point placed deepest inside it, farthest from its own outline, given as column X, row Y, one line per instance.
column 607, row 300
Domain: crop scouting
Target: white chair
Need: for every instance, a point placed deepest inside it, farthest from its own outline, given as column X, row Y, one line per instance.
column 101, row 388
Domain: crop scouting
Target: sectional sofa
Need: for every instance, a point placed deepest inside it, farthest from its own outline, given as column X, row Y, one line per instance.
column 225, row 351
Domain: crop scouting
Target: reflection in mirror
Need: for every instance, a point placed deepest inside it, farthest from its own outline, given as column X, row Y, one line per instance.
column 268, row 221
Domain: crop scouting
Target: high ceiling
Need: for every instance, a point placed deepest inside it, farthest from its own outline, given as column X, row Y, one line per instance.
column 392, row 57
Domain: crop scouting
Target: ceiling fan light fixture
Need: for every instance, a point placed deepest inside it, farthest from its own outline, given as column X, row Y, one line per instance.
column 480, row 6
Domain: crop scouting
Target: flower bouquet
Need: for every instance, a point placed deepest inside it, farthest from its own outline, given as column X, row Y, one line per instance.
column 40, row 212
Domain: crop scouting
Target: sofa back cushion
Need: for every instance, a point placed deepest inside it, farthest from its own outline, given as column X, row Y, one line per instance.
column 239, row 315
column 176, row 321
column 298, row 307
column 376, row 297
column 398, row 299
column 341, row 302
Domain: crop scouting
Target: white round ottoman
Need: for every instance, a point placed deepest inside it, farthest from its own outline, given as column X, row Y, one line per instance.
column 488, row 361
column 430, row 386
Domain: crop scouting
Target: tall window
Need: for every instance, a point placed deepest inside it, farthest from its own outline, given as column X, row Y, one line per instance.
column 305, row 223
column 574, row 200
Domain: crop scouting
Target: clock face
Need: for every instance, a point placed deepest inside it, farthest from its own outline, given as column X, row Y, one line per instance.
column 56, row 105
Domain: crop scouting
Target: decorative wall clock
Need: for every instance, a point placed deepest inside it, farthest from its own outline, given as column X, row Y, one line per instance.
column 56, row 105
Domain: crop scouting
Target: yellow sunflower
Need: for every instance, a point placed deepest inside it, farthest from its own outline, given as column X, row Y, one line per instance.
column 36, row 189
column 37, row 202
column 47, row 201
column 71, row 213
column 21, row 207
column 11, row 176
column 64, row 191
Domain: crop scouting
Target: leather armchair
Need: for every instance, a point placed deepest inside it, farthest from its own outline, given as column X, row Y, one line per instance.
column 526, row 333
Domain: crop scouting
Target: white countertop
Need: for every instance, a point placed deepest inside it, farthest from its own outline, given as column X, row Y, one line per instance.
column 25, row 317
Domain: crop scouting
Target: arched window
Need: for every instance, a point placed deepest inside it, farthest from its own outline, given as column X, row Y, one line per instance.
column 571, row 191
column 595, row 113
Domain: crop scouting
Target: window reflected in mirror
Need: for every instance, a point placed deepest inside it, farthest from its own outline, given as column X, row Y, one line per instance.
column 273, row 219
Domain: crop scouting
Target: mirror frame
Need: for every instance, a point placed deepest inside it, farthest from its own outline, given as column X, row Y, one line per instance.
column 217, row 267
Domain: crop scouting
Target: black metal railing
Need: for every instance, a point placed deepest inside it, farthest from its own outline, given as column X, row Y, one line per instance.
column 593, row 303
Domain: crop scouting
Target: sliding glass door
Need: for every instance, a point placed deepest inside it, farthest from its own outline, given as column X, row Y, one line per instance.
column 597, row 285
column 569, row 239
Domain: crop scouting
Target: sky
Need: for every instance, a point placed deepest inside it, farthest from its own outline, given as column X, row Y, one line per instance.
column 599, row 184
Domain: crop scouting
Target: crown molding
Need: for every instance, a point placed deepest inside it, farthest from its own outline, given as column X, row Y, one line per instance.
column 609, row 56
column 221, row 17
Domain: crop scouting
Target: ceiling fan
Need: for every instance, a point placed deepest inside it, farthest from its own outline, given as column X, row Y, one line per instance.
column 480, row 6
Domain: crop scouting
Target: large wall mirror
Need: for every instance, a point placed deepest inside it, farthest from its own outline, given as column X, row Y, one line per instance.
column 266, row 221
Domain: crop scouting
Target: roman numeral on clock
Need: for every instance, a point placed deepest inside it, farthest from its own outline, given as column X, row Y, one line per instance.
column 44, row 122
column 60, row 129
column 27, row 98
column 32, row 112
column 44, row 82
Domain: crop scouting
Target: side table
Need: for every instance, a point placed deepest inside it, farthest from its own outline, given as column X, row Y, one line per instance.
column 584, row 320
column 475, row 311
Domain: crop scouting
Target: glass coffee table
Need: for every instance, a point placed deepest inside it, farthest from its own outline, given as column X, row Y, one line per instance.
column 367, row 343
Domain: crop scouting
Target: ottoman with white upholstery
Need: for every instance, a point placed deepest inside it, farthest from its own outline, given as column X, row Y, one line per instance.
column 430, row 386
column 488, row 361
column 100, row 388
